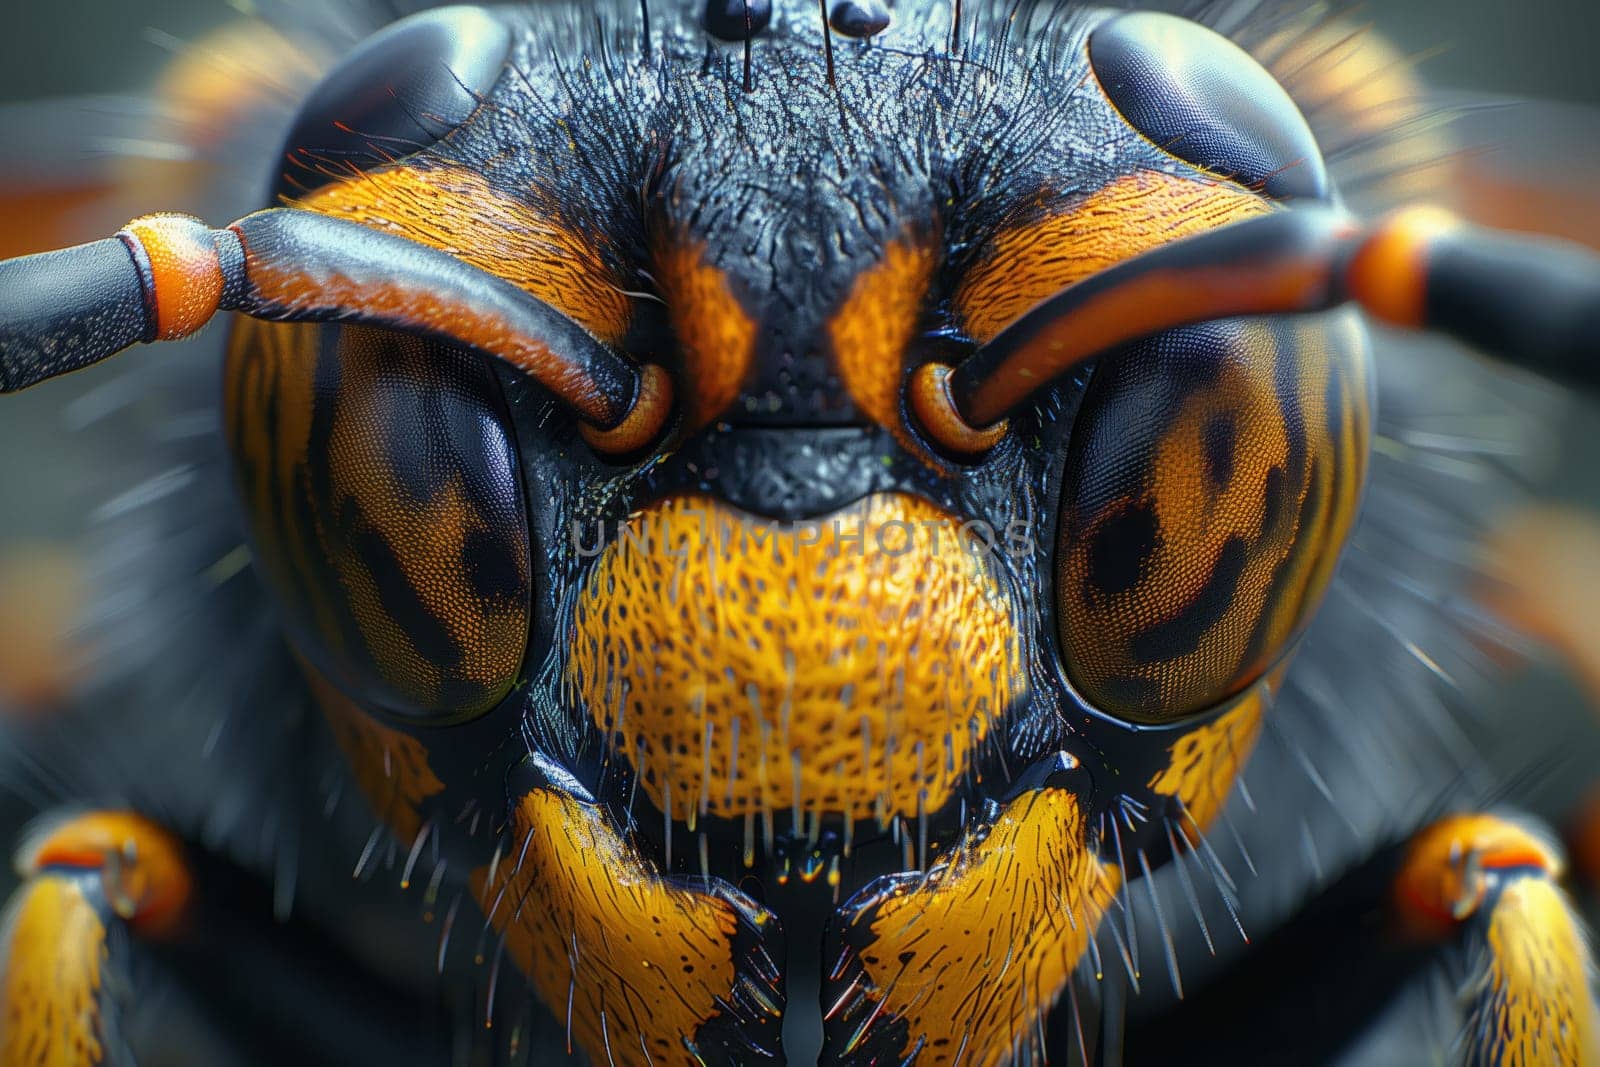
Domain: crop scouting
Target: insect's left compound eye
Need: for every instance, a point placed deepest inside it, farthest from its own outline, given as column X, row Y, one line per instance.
column 382, row 490
column 1211, row 480
column 1202, row 98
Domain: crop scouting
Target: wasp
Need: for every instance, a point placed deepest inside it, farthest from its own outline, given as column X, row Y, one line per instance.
column 770, row 533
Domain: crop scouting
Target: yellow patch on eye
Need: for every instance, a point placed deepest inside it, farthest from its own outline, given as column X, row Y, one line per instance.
column 873, row 327
column 1030, row 262
column 50, row 978
column 973, row 956
column 390, row 767
column 715, row 334
column 636, row 963
column 457, row 211
column 751, row 667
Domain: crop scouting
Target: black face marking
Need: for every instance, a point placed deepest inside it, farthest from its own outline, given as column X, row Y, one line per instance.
column 491, row 566
column 1202, row 98
column 1219, row 439
column 402, row 90
column 1123, row 546
column 1181, row 634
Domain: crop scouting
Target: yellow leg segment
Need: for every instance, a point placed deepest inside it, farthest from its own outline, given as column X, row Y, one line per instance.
column 82, row 877
column 1493, row 884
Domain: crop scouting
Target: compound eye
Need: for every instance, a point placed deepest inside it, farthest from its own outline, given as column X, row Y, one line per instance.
column 402, row 90
column 1200, row 97
column 384, row 501
column 1211, row 480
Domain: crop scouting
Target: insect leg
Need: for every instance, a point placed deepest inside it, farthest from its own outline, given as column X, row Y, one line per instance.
column 1490, row 885
column 90, row 881
column 125, row 943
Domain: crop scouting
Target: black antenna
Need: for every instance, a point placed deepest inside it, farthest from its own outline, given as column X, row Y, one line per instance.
column 644, row 15
column 749, row 38
column 955, row 28
column 827, row 42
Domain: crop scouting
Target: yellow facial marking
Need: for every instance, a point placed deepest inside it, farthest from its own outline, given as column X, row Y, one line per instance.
column 1037, row 259
column 753, row 667
column 458, row 211
column 715, row 334
column 644, row 963
column 1206, row 761
column 973, row 956
column 872, row 329
column 389, row 766
column 50, row 977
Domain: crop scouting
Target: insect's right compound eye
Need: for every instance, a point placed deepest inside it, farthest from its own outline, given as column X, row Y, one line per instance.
column 1212, row 478
column 403, row 89
column 384, row 500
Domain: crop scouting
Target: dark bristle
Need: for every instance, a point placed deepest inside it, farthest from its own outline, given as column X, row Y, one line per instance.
column 736, row 20
column 859, row 18
column 827, row 41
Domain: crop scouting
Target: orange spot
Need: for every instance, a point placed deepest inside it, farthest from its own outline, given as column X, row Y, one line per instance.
column 873, row 327
column 1541, row 574
column 35, row 219
column 513, row 236
column 1388, row 275
column 715, row 335
column 1585, row 840
column 643, row 424
column 1036, row 259
column 1441, row 880
column 934, row 411
column 141, row 865
column 40, row 653
column 184, row 269
column 1356, row 88
column 755, row 667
